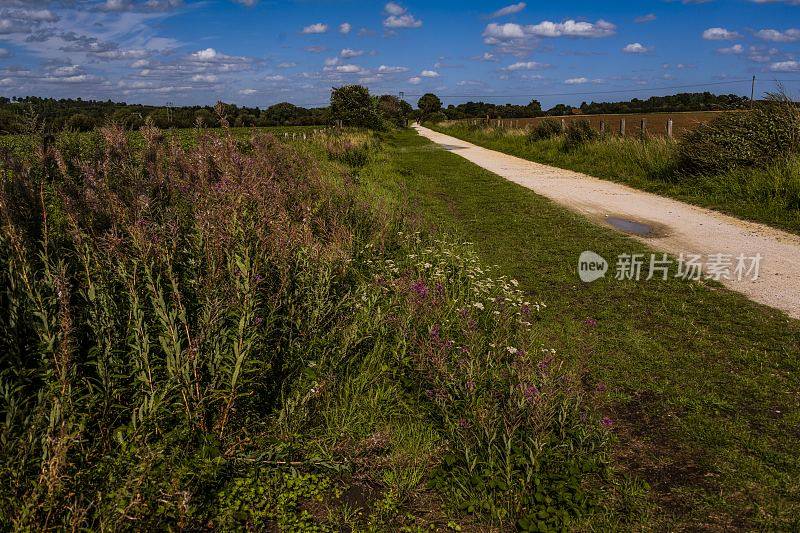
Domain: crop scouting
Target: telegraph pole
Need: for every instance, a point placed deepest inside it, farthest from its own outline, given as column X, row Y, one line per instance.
column 752, row 92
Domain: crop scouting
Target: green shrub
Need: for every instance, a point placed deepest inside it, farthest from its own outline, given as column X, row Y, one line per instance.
column 436, row 118
column 545, row 129
column 353, row 106
column 578, row 133
column 352, row 149
column 745, row 139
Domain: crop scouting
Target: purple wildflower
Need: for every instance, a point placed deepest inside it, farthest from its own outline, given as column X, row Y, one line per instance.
column 591, row 322
column 607, row 422
column 420, row 288
column 463, row 423
column 530, row 391
column 601, row 387
column 470, row 386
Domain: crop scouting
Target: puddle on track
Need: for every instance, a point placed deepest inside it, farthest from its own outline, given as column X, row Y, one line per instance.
column 631, row 226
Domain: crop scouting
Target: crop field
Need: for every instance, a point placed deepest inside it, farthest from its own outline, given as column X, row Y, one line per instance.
column 655, row 124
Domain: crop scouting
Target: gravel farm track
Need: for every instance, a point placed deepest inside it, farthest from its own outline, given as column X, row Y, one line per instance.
column 670, row 226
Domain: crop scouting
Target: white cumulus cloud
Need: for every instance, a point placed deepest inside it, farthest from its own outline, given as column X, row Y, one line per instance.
column 509, row 10
column 719, row 34
column 789, row 36
column 349, row 52
column 636, row 48
column 319, row 27
column 399, row 17
column 736, row 49
column 785, row 66
column 526, row 65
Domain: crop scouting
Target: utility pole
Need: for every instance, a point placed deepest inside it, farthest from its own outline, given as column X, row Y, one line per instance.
column 752, row 92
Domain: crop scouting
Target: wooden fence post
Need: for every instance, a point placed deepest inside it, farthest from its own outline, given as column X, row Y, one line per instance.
column 563, row 125
column 622, row 127
column 602, row 127
column 669, row 128
column 643, row 127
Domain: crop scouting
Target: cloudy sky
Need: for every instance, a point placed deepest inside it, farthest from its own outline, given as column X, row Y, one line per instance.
column 259, row 52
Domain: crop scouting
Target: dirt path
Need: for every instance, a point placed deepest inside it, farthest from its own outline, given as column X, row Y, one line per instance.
column 664, row 224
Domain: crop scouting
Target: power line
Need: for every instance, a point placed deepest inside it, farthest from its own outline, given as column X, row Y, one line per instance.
column 588, row 93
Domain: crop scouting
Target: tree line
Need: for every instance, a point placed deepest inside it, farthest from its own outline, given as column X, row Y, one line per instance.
column 350, row 105
column 704, row 101
column 16, row 115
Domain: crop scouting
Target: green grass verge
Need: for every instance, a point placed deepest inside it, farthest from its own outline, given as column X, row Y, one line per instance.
column 770, row 196
column 702, row 384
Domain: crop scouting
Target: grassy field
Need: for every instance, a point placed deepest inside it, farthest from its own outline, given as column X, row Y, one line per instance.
column 240, row 331
column 769, row 195
column 702, row 385
column 231, row 332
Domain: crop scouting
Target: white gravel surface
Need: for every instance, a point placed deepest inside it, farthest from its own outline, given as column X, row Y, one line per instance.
column 677, row 228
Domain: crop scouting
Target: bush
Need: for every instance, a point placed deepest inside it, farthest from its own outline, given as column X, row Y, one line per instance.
column 80, row 122
column 436, row 118
column 353, row 106
column 429, row 104
column 578, row 133
column 393, row 110
column 545, row 129
column 743, row 139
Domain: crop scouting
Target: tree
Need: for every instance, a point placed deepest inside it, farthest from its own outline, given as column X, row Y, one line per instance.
column 80, row 122
column 394, row 110
column 353, row 106
column 429, row 104
column 535, row 106
column 283, row 113
column 129, row 120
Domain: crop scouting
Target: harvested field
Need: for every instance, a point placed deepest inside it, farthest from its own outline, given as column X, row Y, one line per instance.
column 653, row 123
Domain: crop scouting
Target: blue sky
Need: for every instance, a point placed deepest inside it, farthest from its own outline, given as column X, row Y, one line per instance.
column 258, row 53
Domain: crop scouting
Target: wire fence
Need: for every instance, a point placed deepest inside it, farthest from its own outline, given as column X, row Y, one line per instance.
column 627, row 125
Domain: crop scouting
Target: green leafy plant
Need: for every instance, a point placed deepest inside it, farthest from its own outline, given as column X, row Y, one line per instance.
column 545, row 129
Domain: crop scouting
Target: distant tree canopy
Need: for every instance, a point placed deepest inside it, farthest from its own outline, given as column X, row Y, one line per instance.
column 482, row 109
column 353, row 105
column 679, row 102
column 80, row 115
column 429, row 104
column 394, row 110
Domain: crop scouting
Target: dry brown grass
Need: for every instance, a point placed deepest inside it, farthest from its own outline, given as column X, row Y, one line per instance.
column 655, row 123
